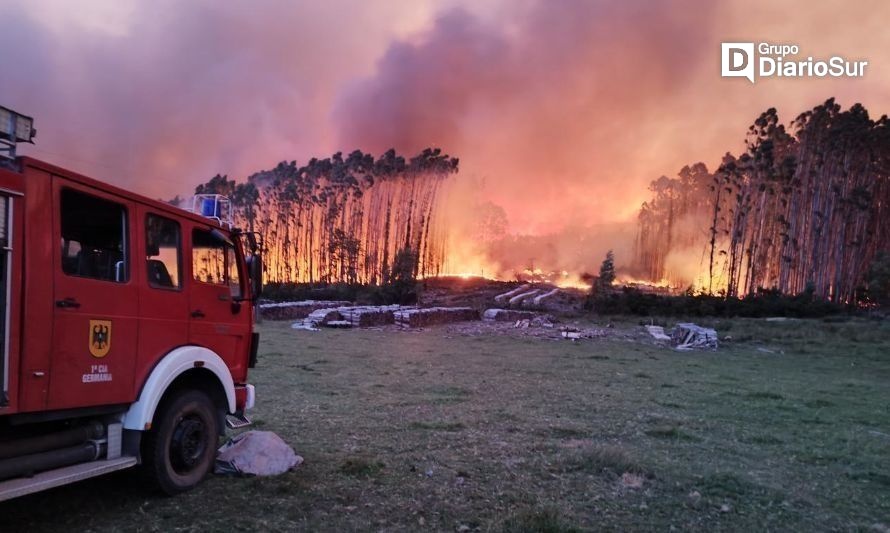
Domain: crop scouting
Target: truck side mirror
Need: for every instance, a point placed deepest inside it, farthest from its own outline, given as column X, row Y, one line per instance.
column 255, row 272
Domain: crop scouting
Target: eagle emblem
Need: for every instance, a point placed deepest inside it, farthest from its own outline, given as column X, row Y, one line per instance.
column 100, row 337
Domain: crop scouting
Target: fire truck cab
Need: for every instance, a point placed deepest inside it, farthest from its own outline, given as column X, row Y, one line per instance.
column 126, row 329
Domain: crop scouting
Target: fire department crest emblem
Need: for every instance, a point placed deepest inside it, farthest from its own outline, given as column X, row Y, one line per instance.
column 100, row 337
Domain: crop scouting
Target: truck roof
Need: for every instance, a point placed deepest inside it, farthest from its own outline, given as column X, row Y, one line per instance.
column 107, row 187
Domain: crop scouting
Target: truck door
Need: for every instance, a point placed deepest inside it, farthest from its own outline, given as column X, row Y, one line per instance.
column 163, row 301
column 8, row 311
column 218, row 321
column 95, row 301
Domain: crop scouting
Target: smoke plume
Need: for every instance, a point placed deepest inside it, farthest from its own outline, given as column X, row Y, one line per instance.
column 561, row 111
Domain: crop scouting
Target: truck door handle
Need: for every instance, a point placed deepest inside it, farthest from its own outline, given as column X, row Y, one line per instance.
column 68, row 303
column 197, row 313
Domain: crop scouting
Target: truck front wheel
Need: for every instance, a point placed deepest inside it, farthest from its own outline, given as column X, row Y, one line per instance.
column 179, row 450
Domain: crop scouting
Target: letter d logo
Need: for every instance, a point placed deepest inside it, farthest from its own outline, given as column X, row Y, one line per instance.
column 737, row 60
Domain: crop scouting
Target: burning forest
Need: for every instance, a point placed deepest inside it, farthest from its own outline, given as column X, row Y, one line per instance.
column 464, row 265
column 560, row 114
column 803, row 209
column 353, row 219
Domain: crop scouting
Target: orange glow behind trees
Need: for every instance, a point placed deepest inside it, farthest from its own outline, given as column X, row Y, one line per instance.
column 804, row 208
column 344, row 220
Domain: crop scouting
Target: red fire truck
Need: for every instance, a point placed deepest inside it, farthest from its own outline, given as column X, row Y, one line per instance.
column 126, row 327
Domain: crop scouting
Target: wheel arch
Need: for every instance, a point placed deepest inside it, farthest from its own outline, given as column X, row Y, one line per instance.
column 184, row 367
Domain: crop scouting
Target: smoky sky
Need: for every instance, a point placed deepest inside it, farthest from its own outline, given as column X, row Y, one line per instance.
column 561, row 111
column 162, row 95
column 550, row 104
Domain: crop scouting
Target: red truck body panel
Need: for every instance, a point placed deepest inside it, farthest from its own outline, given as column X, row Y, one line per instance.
column 78, row 341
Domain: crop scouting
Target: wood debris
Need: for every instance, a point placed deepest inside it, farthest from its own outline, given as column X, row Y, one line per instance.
column 507, row 315
column 688, row 336
column 658, row 333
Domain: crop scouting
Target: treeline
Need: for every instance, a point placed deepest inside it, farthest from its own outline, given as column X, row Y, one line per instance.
column 806, row 208
column 352, row 219
column 670, row 221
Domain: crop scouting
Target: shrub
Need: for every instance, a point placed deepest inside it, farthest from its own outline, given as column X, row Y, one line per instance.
column 631, row 301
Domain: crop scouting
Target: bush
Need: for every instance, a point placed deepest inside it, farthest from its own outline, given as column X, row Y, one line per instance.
column 630, row 301
column 290, row 292
column 391, row 293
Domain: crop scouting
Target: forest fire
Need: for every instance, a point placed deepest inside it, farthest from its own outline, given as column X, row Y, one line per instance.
column 353, row 219
column 734, row 232
column 738, row 231
column 529, row 98
column 627, row 281
column 803, row 209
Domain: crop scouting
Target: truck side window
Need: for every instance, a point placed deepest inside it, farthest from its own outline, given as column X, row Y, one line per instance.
column 208, row 258
column 214, row 261
column 232, row 269
column 163, row 252
column 94, row 243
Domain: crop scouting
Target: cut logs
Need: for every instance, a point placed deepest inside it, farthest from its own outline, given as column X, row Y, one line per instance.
column 373, row 316
column 533, row 296
column 522, row 297
column 370, row 316
column 294, row 310
column 507, row 295
column 416, row 318
column 538, row 300
column 323, row 316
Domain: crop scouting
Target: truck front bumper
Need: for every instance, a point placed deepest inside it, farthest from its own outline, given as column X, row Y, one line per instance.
column 245, row 397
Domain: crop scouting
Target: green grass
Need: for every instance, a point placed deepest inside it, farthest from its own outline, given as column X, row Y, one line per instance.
column 437, row 426
column 670, row 431
column 361, row 467
column 603, row 458
column 539, row 521
column 786, row 427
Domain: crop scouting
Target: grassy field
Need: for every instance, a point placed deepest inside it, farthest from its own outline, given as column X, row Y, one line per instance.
column 786, row 427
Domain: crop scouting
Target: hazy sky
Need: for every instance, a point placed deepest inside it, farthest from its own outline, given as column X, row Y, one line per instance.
column 564, row 109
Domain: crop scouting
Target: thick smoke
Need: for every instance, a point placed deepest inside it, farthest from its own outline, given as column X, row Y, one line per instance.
column 563, row 109
column 159, row 96
column 551, row 104
column 567, row 109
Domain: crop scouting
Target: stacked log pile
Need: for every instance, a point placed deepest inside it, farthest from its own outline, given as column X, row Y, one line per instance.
column 373, row 316
column 323, row 316
column 295, row 310
column 370, row 316
column 416, row 318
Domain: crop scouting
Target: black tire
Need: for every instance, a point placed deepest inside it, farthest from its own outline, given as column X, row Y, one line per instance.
column 179, row 450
